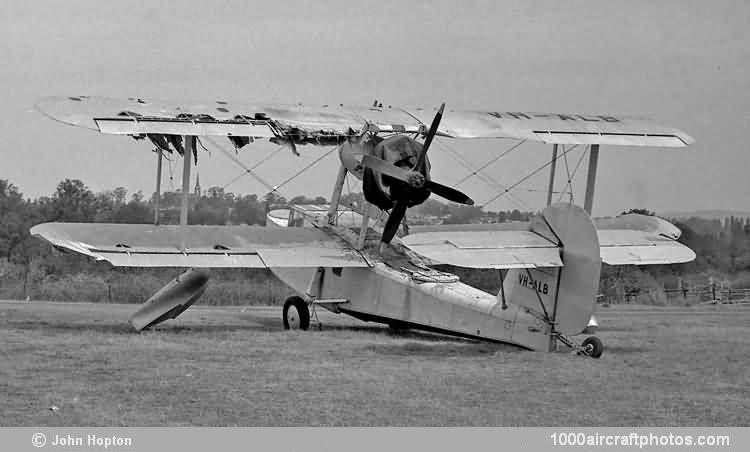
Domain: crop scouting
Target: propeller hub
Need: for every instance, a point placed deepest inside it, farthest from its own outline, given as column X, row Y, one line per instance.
column 415, row 179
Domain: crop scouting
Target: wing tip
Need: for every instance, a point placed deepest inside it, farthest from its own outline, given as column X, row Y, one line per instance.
column 687, row 139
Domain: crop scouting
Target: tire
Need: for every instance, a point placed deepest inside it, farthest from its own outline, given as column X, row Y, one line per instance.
column 296, row 315
column 593, row 346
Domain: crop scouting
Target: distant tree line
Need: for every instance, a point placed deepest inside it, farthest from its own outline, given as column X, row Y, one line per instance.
column 73, row 201
column 722, row 247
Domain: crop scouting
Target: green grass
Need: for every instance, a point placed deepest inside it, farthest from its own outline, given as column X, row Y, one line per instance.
column 236, row 366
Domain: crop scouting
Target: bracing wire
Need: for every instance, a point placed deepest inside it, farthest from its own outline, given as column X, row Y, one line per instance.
column 483, row 177
column 525, row 178
column 256, row 165
column 239, row 162
column 569, row 185
column 310, row 165
column 490, row 162
column 567, row 168
column 170, row 166
column 248, row 170
column 204, row 147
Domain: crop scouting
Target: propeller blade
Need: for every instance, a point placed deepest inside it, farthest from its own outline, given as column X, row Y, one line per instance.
column 394, row 221
column 430, row 135
column 383, row 167
column 451, row 194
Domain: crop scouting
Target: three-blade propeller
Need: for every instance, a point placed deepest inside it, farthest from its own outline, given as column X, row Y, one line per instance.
column 416, row 179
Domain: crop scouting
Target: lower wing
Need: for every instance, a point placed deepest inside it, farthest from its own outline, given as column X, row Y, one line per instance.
column 136, row 245
column 626, row 240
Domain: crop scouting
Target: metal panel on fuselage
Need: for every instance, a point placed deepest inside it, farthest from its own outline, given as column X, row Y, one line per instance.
column 451, row 307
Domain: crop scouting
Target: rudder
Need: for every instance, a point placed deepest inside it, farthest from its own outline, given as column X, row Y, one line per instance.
column 566, row 295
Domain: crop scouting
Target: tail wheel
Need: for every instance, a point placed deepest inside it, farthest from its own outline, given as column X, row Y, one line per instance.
column 296, row 314
column 592, row 346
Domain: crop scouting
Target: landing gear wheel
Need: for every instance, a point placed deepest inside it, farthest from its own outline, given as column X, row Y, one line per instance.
column 296, row 314
column 592, row 346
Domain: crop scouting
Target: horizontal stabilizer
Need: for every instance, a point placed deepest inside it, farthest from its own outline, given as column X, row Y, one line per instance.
column 140, row 245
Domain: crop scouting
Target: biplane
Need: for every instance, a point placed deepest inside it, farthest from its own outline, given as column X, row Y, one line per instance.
column 340, row 260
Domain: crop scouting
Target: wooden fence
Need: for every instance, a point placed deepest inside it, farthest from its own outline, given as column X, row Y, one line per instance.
column 712, row 293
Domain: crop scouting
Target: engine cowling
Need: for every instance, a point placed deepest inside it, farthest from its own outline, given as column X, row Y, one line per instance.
column 395, row 174
column 383, row 190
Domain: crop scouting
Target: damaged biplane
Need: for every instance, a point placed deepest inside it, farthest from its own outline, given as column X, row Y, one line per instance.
column 342, row 261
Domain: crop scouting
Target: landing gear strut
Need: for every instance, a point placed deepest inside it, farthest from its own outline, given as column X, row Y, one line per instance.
column 296, row 314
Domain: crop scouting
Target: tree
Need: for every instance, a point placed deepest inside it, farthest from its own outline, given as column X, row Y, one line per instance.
column 134, row 212
column 305, row 200
column 639, row 211
column 119, row 195
column 248, row 210
column 215, row 192
column 432, row 207
column 13, row 218
column 274, row 200
column 463, row 214
column 137, row 196
column 73, row 202
column 209, row 210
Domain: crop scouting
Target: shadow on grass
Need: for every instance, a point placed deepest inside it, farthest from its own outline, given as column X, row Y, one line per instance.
column 383, row 330
column 275, row 324
column 443, row 349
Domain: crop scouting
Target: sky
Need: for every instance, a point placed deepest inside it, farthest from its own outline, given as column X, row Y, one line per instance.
column 683, row 63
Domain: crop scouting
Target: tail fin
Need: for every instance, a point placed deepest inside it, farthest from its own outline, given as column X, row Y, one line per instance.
column 565, row 296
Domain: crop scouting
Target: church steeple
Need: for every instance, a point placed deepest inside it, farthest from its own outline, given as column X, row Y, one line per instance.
column 197, row 190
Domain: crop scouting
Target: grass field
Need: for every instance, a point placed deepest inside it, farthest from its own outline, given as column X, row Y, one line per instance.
column 236, row 366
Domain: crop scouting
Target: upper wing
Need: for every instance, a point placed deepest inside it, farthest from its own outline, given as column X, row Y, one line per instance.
column 561, row 128
column 224, row 118
column 136, row 245
column 627, row 240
